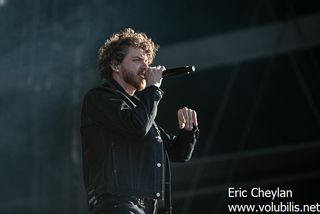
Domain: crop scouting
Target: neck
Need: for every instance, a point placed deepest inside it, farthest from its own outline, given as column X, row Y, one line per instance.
column 127, row 87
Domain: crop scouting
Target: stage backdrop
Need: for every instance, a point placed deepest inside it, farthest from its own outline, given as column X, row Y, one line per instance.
column 256, row 91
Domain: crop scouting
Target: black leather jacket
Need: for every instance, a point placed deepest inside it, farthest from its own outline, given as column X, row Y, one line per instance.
column 124, row 151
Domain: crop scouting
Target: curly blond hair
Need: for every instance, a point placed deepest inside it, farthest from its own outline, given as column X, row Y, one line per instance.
column 116, row 47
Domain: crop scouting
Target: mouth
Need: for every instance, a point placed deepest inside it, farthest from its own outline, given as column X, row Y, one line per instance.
column 142, row 75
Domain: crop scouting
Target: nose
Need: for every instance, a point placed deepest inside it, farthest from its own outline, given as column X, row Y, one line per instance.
column 145, row 64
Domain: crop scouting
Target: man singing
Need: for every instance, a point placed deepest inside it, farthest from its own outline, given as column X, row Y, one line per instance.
column 125, row 153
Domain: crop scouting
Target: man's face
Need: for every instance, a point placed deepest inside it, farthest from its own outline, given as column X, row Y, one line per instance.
column 133, row 68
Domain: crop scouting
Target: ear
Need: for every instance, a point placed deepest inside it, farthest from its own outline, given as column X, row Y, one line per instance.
column 115, row 66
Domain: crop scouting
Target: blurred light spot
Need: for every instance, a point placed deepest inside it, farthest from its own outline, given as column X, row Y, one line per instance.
column 3, row 2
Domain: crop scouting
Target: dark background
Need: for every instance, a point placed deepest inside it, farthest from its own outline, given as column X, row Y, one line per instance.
column 259, row 113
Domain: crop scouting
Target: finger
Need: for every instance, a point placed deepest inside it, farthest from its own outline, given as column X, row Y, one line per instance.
column 181, row 116
column 160, row 67
column 181, row 119
column 190, row 119
column 163, row 68
column 182, row 125
column 195, row 119
column 186, row 116
column 150, row 70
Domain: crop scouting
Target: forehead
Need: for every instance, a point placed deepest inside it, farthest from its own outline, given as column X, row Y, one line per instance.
column 136, row 52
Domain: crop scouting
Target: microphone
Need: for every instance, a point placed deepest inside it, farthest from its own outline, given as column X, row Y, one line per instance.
column 178, row 71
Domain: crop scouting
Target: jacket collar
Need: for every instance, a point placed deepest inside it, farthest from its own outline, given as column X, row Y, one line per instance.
column 111, row 83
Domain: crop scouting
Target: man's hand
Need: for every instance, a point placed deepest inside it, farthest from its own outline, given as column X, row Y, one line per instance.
column 154, row 75
column 187, row 119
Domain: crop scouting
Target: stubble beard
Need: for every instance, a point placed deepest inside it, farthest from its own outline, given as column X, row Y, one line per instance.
column 134, row 80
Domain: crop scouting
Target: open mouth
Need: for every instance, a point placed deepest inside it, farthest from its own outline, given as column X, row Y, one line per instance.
column 141, row 75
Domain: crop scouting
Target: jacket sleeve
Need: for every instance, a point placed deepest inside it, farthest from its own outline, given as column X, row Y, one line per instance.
column 180, row 148
column 118, row 113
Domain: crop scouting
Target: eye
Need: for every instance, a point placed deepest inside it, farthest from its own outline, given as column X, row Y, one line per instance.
column 136, row 59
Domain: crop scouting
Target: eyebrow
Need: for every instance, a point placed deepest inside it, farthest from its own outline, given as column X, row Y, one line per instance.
column 137, row 57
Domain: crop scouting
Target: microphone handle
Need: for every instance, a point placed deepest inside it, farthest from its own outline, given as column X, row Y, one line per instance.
column 178, row 71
